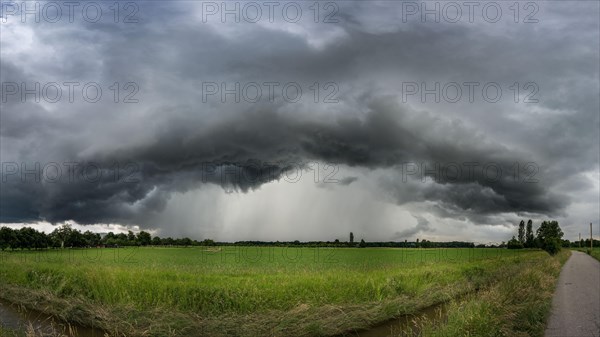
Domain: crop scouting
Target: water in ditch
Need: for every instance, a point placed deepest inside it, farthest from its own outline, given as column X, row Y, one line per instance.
column 16, row 318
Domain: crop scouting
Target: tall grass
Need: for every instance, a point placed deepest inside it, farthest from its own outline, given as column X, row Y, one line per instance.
column 595, row 253
column 245, row 290
column 517, row 305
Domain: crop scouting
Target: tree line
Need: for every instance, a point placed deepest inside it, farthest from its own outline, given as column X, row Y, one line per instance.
column 66, row 236
column 547, row 237
column 351, row 244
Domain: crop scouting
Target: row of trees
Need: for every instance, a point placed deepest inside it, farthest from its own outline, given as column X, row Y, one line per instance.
column 548, row 237
column 66, row 236
column 525, row 234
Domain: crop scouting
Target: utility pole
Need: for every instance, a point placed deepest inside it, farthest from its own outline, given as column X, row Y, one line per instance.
column 591, row 238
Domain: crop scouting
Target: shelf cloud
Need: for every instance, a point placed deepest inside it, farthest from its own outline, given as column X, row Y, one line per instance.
column 436, row 124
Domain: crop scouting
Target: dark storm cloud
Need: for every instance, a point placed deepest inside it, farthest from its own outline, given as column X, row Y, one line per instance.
column 174, row 142
column 258, row 147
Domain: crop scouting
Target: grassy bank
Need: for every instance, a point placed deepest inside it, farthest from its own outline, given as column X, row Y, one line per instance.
column 517, row 305
column 595, row 253
column 247, row 291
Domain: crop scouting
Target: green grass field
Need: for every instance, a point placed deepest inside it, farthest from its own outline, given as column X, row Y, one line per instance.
column 596, row 253
column 249, row 291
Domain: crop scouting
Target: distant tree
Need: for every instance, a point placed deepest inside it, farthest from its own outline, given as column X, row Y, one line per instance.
column 121, row 239
column 522, row 232
column 109, row 236
column 41, row 240
column 26, row 237
column 75, row 239
column 362, row 243
column 549, row 237
column 427, row 244
column 29, row 238
column 62, row 234
column 529, row 238
column 131, row 238
column 351, row 237
column 144, row 238
column 514, row 244
column 156, row 241
column 8, row 238
column 91, row 239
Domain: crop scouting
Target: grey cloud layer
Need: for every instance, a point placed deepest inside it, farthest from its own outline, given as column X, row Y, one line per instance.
column 178, row 143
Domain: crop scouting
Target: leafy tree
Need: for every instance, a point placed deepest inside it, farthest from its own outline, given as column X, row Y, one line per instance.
column 351, row 237
column 75, row 239
column 110, row 236
column 121, row 239
column 91, row 239
column 514, row 244
column 156, row 241
column 549, row 237
column 362, row 243
column 529, row 239
column 8, row 238
column 62, row 234
column 131, row 238
column 144, row 238
column 41, row 240
column 26, row 237
column 552, row 246
column 522, row 232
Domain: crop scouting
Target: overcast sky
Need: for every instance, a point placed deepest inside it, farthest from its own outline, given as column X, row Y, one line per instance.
column 430, row 120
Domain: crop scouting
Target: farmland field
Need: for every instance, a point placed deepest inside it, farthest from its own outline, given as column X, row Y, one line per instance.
column 251, row 291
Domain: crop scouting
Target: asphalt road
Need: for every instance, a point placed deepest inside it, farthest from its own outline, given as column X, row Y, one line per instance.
column 576, row 302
